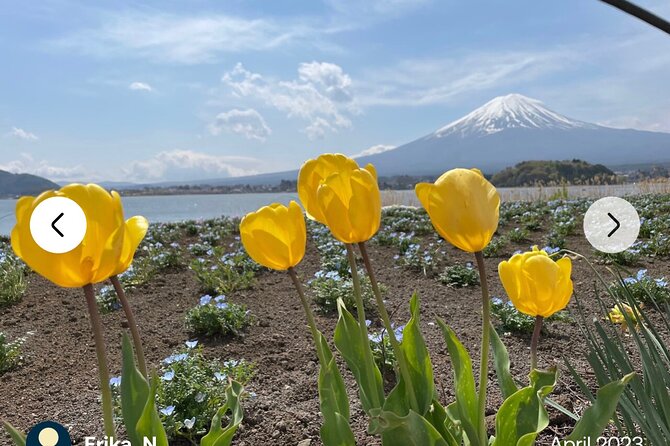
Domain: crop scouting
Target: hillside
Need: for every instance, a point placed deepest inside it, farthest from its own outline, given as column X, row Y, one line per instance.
column 551, row 173
column 15, row 184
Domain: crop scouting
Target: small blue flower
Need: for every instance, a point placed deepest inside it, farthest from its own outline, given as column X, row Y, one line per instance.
column 641, row 274
column 189, row 423
column 168, row 376
column 398, row 331
column 368, row 322
column 496, row 301
column 375, row 337
column 191, row 344
column 168, row 411
column 206, row 299
column 232, row 363
column 175, row 358
column 222, row 305
column 220, row 376
column 220, row 298
column 115, row 382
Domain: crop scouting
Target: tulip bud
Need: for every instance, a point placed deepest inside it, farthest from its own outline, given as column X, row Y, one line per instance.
column 275, row 235
column 536, row 284
column 463, row 207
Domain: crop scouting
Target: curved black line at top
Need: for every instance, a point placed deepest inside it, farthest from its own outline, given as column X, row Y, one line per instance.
column 53, row 224
column 640, row 13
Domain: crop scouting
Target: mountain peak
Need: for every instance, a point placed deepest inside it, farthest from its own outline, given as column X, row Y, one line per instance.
column 507, row 112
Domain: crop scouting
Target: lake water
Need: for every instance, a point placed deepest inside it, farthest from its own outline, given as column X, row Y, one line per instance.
column 169, row 208
column 193, row 207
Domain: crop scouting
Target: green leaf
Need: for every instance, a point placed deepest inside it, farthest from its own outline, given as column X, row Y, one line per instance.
column 358, row 356
column 217, row 435
column 417, row 357
column 464, row 383
column 18, row 438
column 501, row 361
column 410, row 430
column 149, row 425
column 453, row 422
column 331, row 384
column 438, row 417
column 597, row 417
column 522, row 416
column 336, row 431
column 134, row 392
column 334, row 401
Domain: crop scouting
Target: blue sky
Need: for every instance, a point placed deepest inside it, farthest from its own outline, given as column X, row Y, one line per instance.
column 176, row 90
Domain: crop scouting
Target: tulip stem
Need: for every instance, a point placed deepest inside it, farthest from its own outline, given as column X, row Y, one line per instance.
column 399, row 354
column 132, row 323
column 308, row 314
column 103, row 371
column 360, row 311
column 534, row 342
column 484, row 364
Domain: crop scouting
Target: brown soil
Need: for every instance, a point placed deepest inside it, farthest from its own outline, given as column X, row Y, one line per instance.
column 58, row 380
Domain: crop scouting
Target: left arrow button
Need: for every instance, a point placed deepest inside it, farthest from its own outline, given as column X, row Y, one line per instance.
column 53, row 224
column 60, row 234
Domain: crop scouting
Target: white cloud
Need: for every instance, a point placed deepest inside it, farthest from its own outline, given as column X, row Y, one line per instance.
column 373, row 150
column 187, row 39
column 27, row 164
column 22, row 134
column 140, row 86
column 418, row 82
column 248, row 123
column 654, row 123
column 187, row 165
column 329, row 77
column 321, row 95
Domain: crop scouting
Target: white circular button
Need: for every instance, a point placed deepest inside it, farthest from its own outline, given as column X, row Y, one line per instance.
column 58, row 225
column 611, row 225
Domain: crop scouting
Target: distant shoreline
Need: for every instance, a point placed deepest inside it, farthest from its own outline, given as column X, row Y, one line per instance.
column 651, row 186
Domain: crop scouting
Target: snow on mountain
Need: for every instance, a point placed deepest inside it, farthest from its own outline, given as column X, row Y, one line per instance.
column 506, row 112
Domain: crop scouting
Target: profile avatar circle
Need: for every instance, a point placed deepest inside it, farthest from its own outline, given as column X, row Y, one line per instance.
column 48, row 433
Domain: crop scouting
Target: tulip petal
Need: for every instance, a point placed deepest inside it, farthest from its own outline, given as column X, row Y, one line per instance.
column 136, row 229
column 313, row 173
column 422, row 191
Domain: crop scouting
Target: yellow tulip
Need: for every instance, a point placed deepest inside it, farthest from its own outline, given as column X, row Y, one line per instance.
column 536, row 284
column 463, row 207
column 616, row 315
column 275, row 235
column 313, row 173
column 350, row 204
column 108, row 245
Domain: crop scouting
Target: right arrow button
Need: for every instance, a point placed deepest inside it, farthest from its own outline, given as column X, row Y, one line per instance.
column 618, row 225
column 598, row 225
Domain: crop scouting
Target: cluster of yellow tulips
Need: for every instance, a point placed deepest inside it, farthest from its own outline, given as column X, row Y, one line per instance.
column 464, row 209
column 335, row 191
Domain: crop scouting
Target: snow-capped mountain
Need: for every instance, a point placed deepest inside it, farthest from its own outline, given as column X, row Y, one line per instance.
column 504, row 131
column 514, row 128
column 507, row 112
